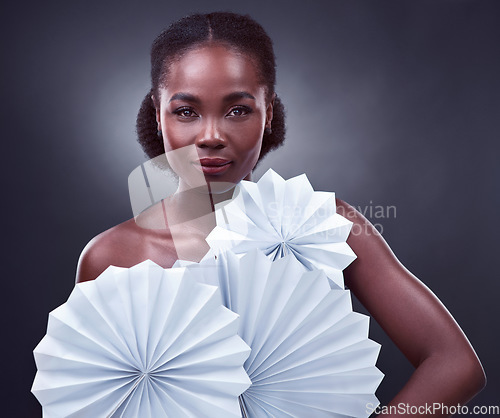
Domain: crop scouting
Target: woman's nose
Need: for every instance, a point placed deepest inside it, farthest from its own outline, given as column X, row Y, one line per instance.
column 210, row 136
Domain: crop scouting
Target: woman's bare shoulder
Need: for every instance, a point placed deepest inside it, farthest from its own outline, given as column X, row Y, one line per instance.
column 375, row 260
column 122, row 245
column 361, row 227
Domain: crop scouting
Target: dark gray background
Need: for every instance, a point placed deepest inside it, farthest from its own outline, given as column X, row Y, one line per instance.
column 389, row 103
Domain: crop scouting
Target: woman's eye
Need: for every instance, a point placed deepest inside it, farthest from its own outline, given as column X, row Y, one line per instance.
column 185, row 112
column 239, row 111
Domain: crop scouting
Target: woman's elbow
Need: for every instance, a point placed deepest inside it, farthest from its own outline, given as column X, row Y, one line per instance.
column 469, row 375
column 475, row 374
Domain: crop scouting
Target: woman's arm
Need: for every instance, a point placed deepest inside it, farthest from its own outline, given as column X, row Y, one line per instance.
column 447, row 371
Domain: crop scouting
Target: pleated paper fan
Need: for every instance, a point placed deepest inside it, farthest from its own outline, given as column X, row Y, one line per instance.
column 311, row 356
column 283, row 217
column 141, row 342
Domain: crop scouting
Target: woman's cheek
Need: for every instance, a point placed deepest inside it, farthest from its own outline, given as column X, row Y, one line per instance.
column 182, row 160
column 178, row 137
column 250, row 138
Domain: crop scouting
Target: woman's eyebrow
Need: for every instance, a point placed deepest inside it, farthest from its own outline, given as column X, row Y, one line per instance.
column 238, row 95
column 185, row 97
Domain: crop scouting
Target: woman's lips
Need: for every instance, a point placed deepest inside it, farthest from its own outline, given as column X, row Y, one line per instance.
column 213, row 165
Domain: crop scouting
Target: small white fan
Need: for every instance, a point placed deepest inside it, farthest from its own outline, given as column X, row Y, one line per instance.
column 285, row 217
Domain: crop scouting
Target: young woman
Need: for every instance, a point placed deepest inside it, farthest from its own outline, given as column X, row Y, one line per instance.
column 213, row 110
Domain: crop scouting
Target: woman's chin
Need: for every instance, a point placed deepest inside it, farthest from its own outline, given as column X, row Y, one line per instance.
column 220, row 187
column 220, row 190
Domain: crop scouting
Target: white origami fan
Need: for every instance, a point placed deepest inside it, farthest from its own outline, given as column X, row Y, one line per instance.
column 285, row 217
column 141, row 342
column 311, row 356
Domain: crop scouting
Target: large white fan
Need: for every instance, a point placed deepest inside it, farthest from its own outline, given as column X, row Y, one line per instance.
column 311, row 356
column 141, row 342
column 285, row 217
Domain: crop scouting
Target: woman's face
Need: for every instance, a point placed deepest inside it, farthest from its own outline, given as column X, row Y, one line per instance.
column 212, row 112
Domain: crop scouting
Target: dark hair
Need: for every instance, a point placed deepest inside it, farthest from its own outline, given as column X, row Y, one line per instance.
column 237, row 31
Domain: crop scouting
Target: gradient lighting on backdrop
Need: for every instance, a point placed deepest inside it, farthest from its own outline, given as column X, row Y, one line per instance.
column 389, row 102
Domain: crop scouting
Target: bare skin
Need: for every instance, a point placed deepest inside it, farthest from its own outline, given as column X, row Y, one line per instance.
column 447, row 369
column 222, row 124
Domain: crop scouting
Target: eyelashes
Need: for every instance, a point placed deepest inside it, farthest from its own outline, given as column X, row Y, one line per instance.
column 239, row 111
column 187, row 112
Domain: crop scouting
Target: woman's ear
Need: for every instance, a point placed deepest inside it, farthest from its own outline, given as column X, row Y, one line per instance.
column 269, row 111
column 157, row 113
